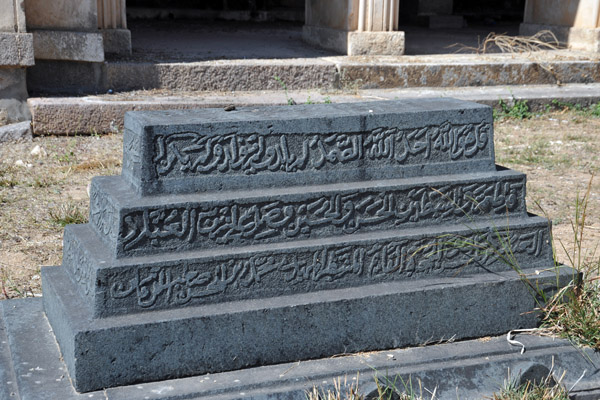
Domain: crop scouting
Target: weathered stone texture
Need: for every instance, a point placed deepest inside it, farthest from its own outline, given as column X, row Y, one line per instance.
column 258, row 236
column 376, row 43
column 17, row 49
column 117, row 41
column 186, row 151
column 65, row 45
column 15, row 132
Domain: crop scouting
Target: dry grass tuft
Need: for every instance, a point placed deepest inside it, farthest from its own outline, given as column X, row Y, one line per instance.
column 543, row 40
column 548, row 389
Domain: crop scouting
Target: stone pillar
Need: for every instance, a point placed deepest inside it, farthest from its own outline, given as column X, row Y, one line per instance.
column 112, row 20
column 354, row 27
column 16, row 53
column 65, row 30
column 574, row 22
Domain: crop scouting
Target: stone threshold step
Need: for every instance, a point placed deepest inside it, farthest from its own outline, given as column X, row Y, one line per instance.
column 470, row 369
column 342, row 73
column 191, row 278
column 105, row 113
column 131, row 225
column 101, row 353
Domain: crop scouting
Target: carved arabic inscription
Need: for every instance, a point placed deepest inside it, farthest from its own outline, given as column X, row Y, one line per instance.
column 335, row 266
column 249, row 222
column 193, row 153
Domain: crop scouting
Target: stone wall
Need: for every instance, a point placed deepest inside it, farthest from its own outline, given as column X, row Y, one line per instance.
column 16, row 53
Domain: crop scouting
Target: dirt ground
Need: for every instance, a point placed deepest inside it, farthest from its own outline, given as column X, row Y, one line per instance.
column 43, row 186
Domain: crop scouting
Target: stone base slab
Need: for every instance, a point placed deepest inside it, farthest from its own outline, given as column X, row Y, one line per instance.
column 355, row 43
column 117, row 41
column 376, row 43
column 17, row 49
column 584, row 39
column 31, row 368
column 101, row 353
column 73, row 46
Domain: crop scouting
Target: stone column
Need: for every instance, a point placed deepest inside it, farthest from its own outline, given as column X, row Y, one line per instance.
column 65, row 30
column 574, row 22
column 354, row 27
column 16, row 53
column 112, row 20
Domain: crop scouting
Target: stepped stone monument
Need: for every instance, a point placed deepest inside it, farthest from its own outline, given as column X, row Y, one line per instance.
column 260, row 236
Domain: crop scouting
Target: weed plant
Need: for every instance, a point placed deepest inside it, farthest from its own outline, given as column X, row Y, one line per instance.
column 68, row 213
column 547, row 389
column 387, row 388
column 518, row 110
column 574, row 312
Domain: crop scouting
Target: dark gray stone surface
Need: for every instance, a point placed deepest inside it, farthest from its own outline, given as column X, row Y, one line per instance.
column 8, row 380
column 38, row 372
column 270, row 235
column 183, row 279
column 227, row 336
column 469, row 369
column 250, row 147
column 158, row 224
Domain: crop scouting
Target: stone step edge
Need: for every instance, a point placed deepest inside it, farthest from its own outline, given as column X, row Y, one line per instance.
column 105, row 114
column 341, row 74
column 291, row 381
column 109, row 285
column 289, row 323
column 114, row 208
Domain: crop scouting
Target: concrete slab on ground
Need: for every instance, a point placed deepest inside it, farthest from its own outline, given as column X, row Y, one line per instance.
column 470, row 369
column 105, row 113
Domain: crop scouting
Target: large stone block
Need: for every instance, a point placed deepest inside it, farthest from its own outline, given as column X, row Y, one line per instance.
column 186, row 279
column 376, row 43
column 62, row 15
column 133, row 226
column 117, row 41
column 115, row 351
column 212, row 149
column 17, row 49
column 13, row 97
column 354, row 43
column 66, row 45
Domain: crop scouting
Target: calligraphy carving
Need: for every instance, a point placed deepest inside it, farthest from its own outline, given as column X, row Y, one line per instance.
column 77, row 261
column 249, row 222
column 334, row 266
column 131, row 150
column 193, row 153
column 103, row 214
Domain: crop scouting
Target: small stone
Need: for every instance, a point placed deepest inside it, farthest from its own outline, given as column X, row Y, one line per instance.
column 230, row 107
column 38, row 151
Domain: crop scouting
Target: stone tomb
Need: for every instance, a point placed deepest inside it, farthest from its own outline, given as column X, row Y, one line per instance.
column 260, row 236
